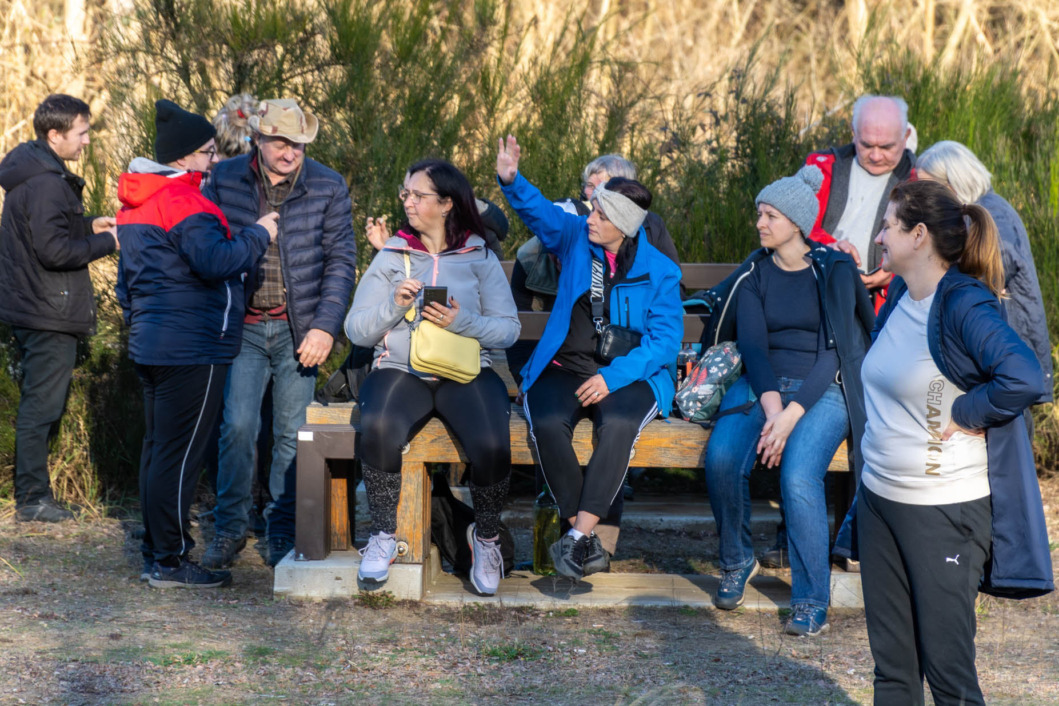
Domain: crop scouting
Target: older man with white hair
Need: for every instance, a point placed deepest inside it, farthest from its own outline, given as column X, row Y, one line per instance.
column 858, row 179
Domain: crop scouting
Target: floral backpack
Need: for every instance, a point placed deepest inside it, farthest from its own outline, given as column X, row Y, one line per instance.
column 699, row 395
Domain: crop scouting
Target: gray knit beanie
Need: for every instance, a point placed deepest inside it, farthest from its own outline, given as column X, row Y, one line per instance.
column 795, row 197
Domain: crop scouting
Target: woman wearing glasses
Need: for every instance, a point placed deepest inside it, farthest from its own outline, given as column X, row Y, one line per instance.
column 438, row 245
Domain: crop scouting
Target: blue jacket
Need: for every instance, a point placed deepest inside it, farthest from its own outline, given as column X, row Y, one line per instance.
column 318, row 253
column 973, row 347
column 650, row 292
column 179, row 278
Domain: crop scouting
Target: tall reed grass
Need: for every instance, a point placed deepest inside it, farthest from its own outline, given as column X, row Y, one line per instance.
column 713, row 100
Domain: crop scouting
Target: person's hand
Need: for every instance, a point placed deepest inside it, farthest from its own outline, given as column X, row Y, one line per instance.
column 315, row 347
column 270, row 223
column 848, row 248
column 103, row 223
column 954, row 427
column 377, row 231
column 442, row 315
column 592, row 390
column 878, row 280
column 406, row 291
column 775, row 433
column 507, row 156
column 114, row 234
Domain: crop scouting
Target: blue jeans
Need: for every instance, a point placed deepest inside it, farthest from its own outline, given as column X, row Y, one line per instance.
column 267, row 353
column 730, row 458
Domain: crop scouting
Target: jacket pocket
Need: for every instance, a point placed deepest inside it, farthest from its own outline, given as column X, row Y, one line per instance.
column 629, row 302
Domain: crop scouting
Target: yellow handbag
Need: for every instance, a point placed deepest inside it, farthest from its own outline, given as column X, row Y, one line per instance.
column 437, row 351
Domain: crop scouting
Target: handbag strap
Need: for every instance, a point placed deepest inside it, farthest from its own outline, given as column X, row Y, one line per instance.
column 595, row 294
column 409, row 315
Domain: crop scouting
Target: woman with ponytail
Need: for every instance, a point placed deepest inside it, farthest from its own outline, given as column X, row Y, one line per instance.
column 949, row 503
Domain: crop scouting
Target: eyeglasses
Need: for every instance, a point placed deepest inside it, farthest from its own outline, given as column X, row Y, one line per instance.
column 211, row 152
column 417, row 196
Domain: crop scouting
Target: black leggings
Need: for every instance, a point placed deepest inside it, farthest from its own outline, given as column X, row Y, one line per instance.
column 394, row 405
column 553, row 411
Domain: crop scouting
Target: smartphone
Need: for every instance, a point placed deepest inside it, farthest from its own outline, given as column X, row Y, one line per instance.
column 869, row 274
column 439, row 295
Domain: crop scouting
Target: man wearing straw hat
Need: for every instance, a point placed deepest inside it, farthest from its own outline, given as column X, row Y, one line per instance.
column 296, row 300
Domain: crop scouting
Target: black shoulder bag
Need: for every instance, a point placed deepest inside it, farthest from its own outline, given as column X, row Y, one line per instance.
column 613, row 341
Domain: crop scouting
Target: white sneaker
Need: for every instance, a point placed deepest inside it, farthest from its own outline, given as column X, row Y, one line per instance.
column 376, row 558
column 487, row 565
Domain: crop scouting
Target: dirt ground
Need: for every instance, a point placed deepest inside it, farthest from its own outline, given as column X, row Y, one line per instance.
column 77, row 627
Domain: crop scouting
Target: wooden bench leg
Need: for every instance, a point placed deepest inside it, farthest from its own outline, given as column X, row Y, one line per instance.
column 413, row 513
column 313, row 505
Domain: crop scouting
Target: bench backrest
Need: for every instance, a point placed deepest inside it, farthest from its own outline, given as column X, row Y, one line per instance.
column 694, row 276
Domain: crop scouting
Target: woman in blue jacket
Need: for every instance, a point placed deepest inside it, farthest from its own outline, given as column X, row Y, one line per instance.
column 565, row 380
column 949, row 493
column 803, row 319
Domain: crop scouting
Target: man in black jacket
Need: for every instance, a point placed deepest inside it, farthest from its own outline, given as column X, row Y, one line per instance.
column 46, row 243
column 296, row 300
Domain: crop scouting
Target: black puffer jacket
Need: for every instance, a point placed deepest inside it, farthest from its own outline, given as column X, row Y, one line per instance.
column 317, row 250
column 46, row 243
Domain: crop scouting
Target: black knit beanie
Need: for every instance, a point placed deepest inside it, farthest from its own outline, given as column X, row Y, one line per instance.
column 179, row 132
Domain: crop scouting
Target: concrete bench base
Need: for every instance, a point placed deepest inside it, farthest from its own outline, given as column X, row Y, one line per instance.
column 336, row 577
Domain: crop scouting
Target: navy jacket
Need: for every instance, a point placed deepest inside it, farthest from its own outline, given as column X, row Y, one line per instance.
column 848, row 317
column 46, row 243
column 973, row 347
column 180, row 277
column 1025, row 307
column 318, row 253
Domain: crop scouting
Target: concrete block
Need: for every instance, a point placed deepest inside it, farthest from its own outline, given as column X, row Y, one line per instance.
column 336, row 577
column 846, row 590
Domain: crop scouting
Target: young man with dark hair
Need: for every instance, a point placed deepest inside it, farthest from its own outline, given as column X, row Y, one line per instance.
column 46, row 243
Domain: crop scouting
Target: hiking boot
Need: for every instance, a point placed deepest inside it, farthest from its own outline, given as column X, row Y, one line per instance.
column 487, row 565
column 278, row 547
column 776, row 557
column 44, row 510
column 733, row 586
column 807, row 621
column 187, row 575
column 568, row 555
column 221, row 552
column 376, row 557
column 596, row 558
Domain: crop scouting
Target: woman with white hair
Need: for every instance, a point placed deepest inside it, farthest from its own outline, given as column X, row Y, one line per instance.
column 957, row 166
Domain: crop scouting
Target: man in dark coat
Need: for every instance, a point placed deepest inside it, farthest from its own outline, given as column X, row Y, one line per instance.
column 296, row 300
column 46, row 243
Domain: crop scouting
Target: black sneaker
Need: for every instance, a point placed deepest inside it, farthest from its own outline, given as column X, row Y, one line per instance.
column 221, row 552
column 187, row 575
column 44, row 510
column 148, row 567
column 596, row 558
column 568, row 555
column 278, row 547
column 776, row 557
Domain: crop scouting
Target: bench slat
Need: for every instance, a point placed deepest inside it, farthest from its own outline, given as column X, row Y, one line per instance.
column 669, row 443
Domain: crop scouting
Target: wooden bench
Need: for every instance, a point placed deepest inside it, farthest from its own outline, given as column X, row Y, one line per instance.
column 326, row 448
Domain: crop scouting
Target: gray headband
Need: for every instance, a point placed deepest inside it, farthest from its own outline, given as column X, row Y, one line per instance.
column 620, row 210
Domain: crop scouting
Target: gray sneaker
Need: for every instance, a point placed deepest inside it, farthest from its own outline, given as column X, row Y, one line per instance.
column 487, row 564
column 376, row 557
column 221, row 552
column 44, row 510
column 596, row 558
column 568, row 555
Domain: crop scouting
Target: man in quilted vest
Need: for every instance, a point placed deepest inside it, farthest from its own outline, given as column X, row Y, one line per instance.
column 296, row 299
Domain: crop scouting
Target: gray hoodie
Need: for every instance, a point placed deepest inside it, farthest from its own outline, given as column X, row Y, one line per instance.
column 475, row 279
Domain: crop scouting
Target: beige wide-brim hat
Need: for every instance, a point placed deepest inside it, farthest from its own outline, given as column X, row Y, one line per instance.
column 282, row 117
